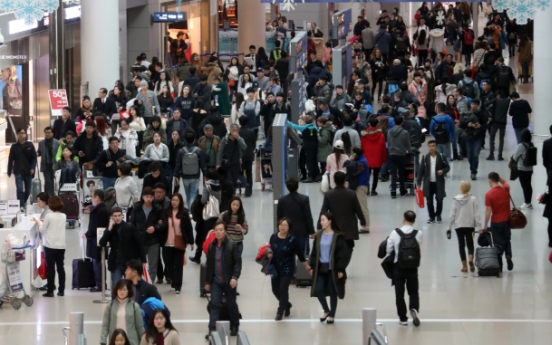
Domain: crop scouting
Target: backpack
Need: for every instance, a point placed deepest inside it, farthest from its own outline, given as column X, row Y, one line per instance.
column 503, row 79
column 331, row 136
column 190, row 161
column 441, row 133
column 468, row 37
column 149, row 306
column 409, row 250
column 401, row 45
column 530, row 157
column 468, row 89
column 416, row 136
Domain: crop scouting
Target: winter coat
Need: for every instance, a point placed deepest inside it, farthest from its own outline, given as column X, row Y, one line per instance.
column 333, row 166
column 421, row 96
column 498, row 108
column 156, row 218
column 340, row 257
column 99, row 218
column 150, row 131
column 221, row 90
column 398, row 141
column 425, row 175
column 437, row 43
column 215, row 120
column 464, row 213
column 382, row 41
column 344, row 202
column 443, row 118
column 132, row 245
column 526, row 52
column 324, row 142
column 339, row 101
column 90, row 147
column 231, row 259
column 441, row 97
column 519, row 111
column 368, row 38
column 373, row 144
column 133, row 320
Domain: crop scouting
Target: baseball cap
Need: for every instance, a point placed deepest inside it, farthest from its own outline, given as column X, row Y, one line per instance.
column 260, row 69
column 339, row 144
column 255, row 85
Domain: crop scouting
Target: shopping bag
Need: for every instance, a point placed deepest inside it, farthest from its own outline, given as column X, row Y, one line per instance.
column 420, row 201
column 550, row 257
column 42, row 269
column 145, row 275
column 325, row 184
column 210, row 238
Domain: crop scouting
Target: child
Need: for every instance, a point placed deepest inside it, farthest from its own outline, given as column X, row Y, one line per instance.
column 357, row 48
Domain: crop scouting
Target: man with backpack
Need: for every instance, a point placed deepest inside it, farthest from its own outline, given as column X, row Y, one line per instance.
column 443, row 130
column 503, row 76
column 433, row 169
column 498, row 109
column 468, row 86
column 404, row 245
column 190, row 161
column 402, row 43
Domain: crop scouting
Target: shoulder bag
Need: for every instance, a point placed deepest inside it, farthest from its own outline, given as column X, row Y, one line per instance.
column 517, row 219
column 211, row 208
column 179, row 242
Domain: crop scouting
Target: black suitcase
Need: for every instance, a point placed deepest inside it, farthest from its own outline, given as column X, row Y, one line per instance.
column 302, row 276
column 83, row 274
column 202, row 280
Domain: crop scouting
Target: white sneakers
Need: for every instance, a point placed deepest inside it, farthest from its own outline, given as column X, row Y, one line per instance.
column 415, row 319
column 526, row 207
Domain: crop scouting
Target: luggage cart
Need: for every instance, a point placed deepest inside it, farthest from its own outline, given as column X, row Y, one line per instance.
column 69, row 192
column 14, row 286
column 265, row 167
column 409, row 175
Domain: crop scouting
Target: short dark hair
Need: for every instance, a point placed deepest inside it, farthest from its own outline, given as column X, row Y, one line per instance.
column 190, row 136
column 71, row 133
column 113, row 139
column 252, row 47
column 468, row 73
column 250, row 89
column 100, row 193
column 431, row 142
column 68, row 109
column 43, row 196
column 90, row 183
column 358, row 151
column 125, row 169
column 116, row 209
column 90, row 124
column 399, row 120
column 385, row 109
column 212, row 174
column 514, row 95
column 103, row 90
column 476, row 101
column 148, row 191
column 441, row 107
column 136, row 265
column 219, row 222
column 348, row 121
column 21, row 129
column 494, row 177
column 203, row 77
column 192, row 70
column 160, row 185
column 55, row 203
column 339, row 178
column 243, row 120
column 121, row 284
column 410, row 216
column 48, row 129
column 155, row 166
column 292, row 184
column 459, row 90
column 374, row 122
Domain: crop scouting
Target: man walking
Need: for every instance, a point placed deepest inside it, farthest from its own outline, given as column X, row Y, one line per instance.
column 248, row 155
column 230, row 153
column 497, row 203
column 47, row 149
column 443, row 129
column 108, row 163
column 358, row 175
column 22, row 162
column 190, row 162
column 519, row 111
column 473, row 126
column 399, row 146
column 405, row 271
column 498, row 108
column 433, row 169
column 99, row 218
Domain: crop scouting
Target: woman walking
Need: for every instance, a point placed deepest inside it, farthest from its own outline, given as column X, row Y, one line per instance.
column 329, row 258
column 284, row 249
column 236, row 223
column 525, row 172
column 160, row 330
column 179, row 235
column 464, row 217
column 53, row 228
column 123, row 313
column 336, row 160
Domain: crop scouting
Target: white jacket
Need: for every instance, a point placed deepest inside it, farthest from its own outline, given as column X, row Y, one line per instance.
column 53, row 229
column 394, row 240
column 437, row 41
column 464, row 213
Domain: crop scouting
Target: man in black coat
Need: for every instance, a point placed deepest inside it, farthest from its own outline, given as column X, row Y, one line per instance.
column 104, row 104
column 64, row 124
column 144, row 290
column 125, row 243
column 99, row 218
column 248, row 155
column 332, row 113
column 108, row 162
column 296, row 207
column 343, row 203
column 88, row 145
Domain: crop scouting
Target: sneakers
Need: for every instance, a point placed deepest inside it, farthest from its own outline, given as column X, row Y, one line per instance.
column 438, row 219
column 491, row 158
column 177, row 292
column 430, row 221
column 510, row 264
column 374, row 193
column 473, row 177
column 364, row 231
column 403, row 323
column 526, row 206
column 415, row 319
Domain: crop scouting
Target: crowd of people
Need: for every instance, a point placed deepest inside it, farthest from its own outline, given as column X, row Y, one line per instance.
column 458, row 91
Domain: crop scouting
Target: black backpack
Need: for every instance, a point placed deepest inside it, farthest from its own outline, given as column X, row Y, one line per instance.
column 401, row 44
column 409, row 250
column 503, row 79
column 530, row 158
column 468, row 89
column 441, row 133
column 416, row 136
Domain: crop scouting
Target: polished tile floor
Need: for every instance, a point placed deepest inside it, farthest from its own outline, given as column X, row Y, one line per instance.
column 456, row 308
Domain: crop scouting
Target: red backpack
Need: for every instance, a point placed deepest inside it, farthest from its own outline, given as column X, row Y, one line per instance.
column 468, row 37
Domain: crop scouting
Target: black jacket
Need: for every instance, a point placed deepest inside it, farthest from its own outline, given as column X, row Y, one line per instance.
column 60, row 130
column 231, row 259
column 344, row 202
column 181, row 131
column 150, row 181
column 470, row 133
column 90, row 147
column 336, row 116
column 22, row 158
column 519, row 111
column 186, row 228
column 498, row 108
column 99, row 218
column 296, row 207
column 109, row 156
column 547, row 155
column 145, row 290
column 425, row 174
column 215, row 120
column 108, row 108
column 156, row 218
column 250, row 139
column 131, row 245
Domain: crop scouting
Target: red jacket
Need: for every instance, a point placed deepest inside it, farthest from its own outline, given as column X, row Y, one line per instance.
column 373, row 145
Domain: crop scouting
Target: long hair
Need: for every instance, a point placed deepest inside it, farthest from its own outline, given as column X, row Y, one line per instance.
column 181, row 208
column 243, row 80
column 101, row 126
column 116, row 333
column 239, row 100
column 241, row 213
column 422, row 37
column 329, row 216
column 151, row 332
column 347, row 145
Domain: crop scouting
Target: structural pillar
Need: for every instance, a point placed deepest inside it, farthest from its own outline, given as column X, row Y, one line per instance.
column 251, row 24
column 100, row 42
column 542, row 68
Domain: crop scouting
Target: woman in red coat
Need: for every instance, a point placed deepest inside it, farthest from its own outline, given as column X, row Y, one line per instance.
column 373, row 145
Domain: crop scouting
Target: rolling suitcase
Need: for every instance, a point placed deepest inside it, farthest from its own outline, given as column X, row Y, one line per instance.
column 486, row 258
column 71, row 206
column 35, row 186
column 302, row 276
column 83, row 274
column 202, row 280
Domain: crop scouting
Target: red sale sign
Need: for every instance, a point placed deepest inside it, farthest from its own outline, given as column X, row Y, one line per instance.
column 58, row 101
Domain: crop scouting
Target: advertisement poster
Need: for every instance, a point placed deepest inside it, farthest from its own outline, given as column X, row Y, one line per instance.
column 11, row 84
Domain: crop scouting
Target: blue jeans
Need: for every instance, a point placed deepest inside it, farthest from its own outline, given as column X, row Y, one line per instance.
column 518, row 133
column 445, row 150
column 116, row 275
column 190, row 189
column 325, row 282
column 217, row 289
column 502, row 234
column 23, row 187
column 473, row 146
column 108, row 182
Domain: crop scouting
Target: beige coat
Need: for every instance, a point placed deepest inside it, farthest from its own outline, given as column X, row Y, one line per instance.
column 172, row 338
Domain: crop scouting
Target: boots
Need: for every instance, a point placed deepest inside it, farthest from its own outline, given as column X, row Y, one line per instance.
column 464, row 266
column 472, row 266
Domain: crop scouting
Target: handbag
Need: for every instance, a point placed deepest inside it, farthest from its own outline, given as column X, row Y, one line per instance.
column 323, row 267
column 179, row 242
column 231, row 83
column 512, row 164
column 420, row 201
column 211, row 208
column 42, row 272
column 89, row 165
column 543, row 198
column 517, row 219
column 325, row 184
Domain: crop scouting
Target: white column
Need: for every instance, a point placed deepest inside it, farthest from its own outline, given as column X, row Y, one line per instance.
column 251, row 25
column 100, row 44
column 542, row 71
